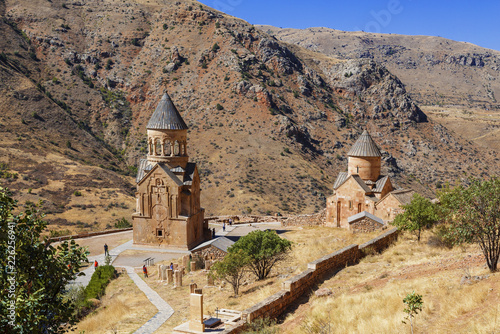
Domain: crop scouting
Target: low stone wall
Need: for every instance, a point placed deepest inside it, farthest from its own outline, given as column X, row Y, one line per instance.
column 306, row 220
column 302, row 283
column 243, row 219
column 376, row 245
column 88, row 234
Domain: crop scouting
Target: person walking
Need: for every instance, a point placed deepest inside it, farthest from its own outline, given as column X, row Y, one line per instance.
column 224, row 227
column 106, row 253
column 145, row 271
column 95, row 265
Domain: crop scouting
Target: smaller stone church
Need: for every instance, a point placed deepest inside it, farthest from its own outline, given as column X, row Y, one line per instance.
column 168, row 211
column 363, row 189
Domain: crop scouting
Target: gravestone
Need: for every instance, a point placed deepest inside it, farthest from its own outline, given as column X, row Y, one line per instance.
column 192, row 287
column 210, row 280
column 159, row 271
column 170, row 276
column 185, row 260
column 177, row 278
column 193, row 266
column 208, row 264
column 196, row 311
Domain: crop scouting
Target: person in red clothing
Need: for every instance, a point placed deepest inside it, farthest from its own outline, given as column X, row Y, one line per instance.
column 95, row 264
column 145, row 271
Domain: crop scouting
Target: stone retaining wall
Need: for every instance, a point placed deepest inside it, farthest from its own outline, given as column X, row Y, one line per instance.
column 302, row 283
column 306, row 220
column 88, row 234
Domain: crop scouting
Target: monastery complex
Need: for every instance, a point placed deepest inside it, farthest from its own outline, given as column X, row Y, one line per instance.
column 362, row 191
column 168, row 211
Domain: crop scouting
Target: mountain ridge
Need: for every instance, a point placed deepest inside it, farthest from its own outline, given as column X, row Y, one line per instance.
column 270, row 123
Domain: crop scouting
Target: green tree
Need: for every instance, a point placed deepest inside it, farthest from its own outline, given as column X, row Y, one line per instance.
column 474, row 216
column 265, row 249
column 414, row 305
column 420, row 213
column 33, row 273
column 231, row 269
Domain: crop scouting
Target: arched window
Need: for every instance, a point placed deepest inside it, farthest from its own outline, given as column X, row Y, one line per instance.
column 157, row 146
column 167, row 148
column 176, row 148
column 150, row 147
column 183, row 147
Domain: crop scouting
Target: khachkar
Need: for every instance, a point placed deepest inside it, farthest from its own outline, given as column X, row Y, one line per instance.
column 168, row 212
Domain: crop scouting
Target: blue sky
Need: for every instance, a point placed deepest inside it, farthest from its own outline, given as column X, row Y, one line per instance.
column 459, row 20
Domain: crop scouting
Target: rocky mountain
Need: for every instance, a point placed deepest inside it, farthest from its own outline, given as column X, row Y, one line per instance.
column 270, row 122
column 435, row 70
column 455, row 82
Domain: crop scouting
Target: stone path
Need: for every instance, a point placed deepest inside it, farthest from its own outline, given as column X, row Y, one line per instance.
column 165, row 311
column 87, row 273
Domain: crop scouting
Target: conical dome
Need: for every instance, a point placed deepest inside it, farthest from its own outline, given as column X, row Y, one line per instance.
column 364, row 147
column 166, row 116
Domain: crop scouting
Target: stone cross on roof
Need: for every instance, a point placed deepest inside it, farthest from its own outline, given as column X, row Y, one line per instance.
column 166, row 116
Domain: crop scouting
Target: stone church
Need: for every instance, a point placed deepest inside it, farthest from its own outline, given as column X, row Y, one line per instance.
column 168, row 212
column 363, row 189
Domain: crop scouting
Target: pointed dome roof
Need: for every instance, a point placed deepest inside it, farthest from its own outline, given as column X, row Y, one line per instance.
column 166, row 116
column 364, row 147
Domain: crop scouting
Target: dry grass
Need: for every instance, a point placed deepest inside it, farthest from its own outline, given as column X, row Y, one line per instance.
column 123, row 309
column 309, row 244
column 368, row 297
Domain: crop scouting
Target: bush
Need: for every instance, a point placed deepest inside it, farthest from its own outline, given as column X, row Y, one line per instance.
column 99, row 281
column 219, row 106
column 122, row 223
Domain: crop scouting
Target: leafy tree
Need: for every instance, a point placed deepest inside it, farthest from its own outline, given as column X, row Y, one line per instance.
column 414, row 305
column 265, row 249
column 474, row 216
column 33, row 273
column 420, row 213
column 232, row 269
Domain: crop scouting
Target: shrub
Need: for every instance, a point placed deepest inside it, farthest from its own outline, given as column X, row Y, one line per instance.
column 99, row 281
column 123, row 223
column 219, row 106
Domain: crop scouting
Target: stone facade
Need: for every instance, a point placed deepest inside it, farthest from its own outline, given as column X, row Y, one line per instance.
column 362, row 187
column 365, row 225
column 210, row 253
column 168, row 211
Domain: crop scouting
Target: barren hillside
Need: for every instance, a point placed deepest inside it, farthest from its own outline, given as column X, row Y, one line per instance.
column 456, row 83
column 270, row 123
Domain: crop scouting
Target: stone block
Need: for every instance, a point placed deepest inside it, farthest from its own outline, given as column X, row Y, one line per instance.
column 196, row 312
column 170, row 276
column 177, row 278
column 210, row 280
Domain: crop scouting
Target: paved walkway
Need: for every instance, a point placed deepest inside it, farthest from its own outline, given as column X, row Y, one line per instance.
column 165, row 311
column 87, row 273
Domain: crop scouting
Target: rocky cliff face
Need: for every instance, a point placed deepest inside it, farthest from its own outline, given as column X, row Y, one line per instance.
column 270, row 123
column 435, row 70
